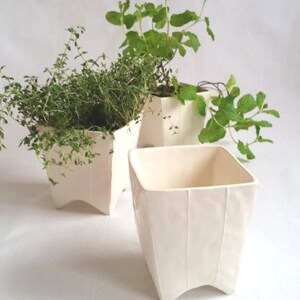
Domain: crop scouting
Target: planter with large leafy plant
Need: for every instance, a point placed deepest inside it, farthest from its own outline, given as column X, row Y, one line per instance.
column 176, row 112
column 81, row 122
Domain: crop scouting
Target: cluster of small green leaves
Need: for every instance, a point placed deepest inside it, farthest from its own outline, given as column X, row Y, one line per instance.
column 95, row 97
column 160, row 41
column 233, row 112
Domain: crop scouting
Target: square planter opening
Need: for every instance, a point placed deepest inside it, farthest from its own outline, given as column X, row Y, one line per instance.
column 192, row 208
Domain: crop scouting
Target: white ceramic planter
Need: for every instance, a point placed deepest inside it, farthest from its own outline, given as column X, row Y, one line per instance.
column 155, row 128
column 101, row 182
column 192, row 208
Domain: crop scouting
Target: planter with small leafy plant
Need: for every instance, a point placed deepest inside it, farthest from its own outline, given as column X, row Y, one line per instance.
column 81, row 122
column 174, row 115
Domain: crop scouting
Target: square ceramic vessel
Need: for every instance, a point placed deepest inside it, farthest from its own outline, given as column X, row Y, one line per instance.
column 192, row 208
column 101, row 182
column 162, row 113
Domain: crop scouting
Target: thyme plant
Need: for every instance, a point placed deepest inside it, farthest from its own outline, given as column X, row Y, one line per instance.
column 97, row 95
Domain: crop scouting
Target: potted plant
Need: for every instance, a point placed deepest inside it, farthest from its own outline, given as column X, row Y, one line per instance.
column 163, row 114
column 174, row 115
column 81, row 122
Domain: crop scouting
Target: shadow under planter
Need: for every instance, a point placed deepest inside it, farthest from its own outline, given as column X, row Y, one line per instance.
column 192, row 208
column 101, row 182
column 163, row 114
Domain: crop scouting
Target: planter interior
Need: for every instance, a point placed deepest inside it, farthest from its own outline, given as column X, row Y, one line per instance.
column 160, row 113
column 101, row 182
column 192, row 208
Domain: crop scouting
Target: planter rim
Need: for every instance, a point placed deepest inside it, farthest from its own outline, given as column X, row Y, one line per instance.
column 157, row 149
column 42, row 128
column 174, row 96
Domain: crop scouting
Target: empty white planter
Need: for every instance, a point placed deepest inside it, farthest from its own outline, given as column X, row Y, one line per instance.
column 162, row 113
column 192, row 208
column 101, row 182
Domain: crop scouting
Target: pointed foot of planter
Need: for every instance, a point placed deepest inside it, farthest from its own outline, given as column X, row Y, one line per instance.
column 224, row 289
column 104, row 211
column 219, row 289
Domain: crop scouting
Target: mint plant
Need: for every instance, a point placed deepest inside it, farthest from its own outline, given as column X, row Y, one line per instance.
column 98, row 96
column 231, row 112
column 166, row 36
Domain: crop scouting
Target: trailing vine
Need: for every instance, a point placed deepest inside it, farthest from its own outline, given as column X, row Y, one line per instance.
column 230, row 112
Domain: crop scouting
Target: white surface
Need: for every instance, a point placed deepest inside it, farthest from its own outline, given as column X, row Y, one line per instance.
column 77, row 254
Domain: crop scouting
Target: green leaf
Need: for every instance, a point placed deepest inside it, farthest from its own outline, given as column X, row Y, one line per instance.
column 231, row 82
column 160, row 18
column 187, row 92
column 272, row 112
column 245, row 150
column 220, row 119
column 153, row 37
column 132, row 36
column 114, row 17
column 260, row 98
column 208, row 29
column 149, row 10
column 178, row 35
column 216, row 101
column 175, row 83
column 172, row 42
column 163, row 51
column 263, row 140
column 124, row 6
column 246, row 103
column 229, row 112
column 235, row 92
column 193, row 41
column 247, row 123
column 157, row 45
column 178, row 20
column 181, row 49
column 129, row 20
column 206, row 19
column 244, row 124
column 201, row 105
column 211, row 133
column 135, row 42
column 210, row 33
column 262, row 123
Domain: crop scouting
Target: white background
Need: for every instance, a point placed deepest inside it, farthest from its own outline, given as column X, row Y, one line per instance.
column 75, row 253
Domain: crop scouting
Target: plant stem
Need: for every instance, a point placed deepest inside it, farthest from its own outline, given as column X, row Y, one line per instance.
column 231, row 135
column 202, row 9
column 168, row 19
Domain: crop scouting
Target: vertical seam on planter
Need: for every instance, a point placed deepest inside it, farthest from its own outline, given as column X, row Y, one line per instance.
column 188, row 237
column 154, row 254
column 223, row 234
